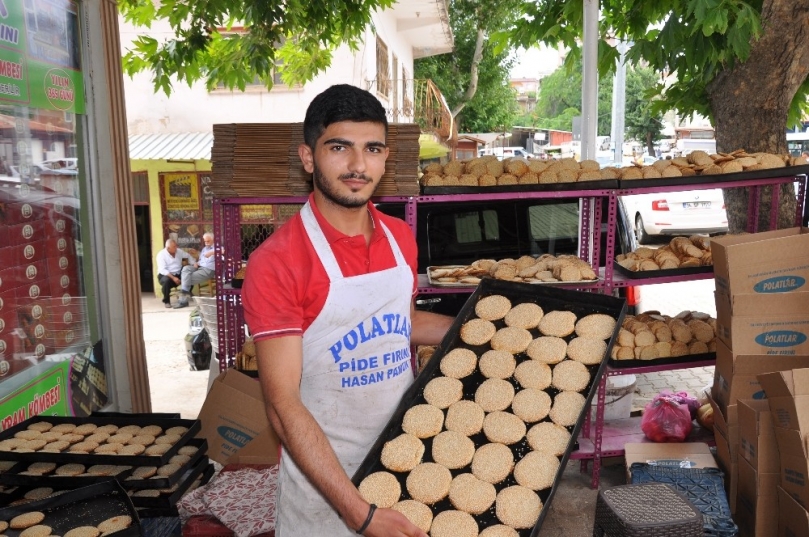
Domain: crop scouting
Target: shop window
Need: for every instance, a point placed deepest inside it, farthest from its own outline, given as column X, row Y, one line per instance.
column 382, row 68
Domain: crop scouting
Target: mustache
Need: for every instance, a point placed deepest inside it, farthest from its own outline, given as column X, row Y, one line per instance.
column 360, row 176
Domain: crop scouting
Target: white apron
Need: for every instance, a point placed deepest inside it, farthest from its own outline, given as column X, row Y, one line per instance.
column 356, row 367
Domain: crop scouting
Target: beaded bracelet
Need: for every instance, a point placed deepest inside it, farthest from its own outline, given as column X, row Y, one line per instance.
column 367, row 520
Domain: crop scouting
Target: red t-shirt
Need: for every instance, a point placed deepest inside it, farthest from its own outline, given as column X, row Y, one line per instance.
column 286, row 286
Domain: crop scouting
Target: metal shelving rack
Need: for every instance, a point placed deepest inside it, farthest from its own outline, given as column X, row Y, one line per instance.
column 602, row 440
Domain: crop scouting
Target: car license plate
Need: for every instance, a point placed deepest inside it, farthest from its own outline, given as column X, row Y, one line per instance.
column 697, row 205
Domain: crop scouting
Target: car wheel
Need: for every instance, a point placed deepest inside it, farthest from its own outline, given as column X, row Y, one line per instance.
column 640, row 231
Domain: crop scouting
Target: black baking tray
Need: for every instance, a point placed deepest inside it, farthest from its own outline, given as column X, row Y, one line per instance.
column 87, row 459
column 85, row 506
column 165, row 482
column 150, row 512
column 770, row 173
column 580, row 303
column 662, row 273
column 14, row 477
column 687, row 359
column 604, row 184
column 168, row 500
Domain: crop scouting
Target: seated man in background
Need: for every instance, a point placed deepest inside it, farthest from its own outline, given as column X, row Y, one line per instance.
column 201, row 271
column 169, row 265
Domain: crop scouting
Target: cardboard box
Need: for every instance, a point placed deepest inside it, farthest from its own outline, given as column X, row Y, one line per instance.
column 788, row 396
column 727, row 426
column 234, row 421
column 793, row 520
column 794, row 464
column 757, row 443
column 686, row 454
column 773, row 262
column 764, row 324
column 735, row 374
column 757, row 502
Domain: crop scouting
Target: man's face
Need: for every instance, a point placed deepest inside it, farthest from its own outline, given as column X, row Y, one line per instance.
column 348, row 162
column 208, row 240
column 172, row 248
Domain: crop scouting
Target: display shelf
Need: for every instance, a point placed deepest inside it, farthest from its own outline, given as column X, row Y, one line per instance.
column 598, row 439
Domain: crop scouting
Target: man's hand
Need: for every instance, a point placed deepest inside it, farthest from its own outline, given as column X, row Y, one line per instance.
column 175, row 279
column 390, row 523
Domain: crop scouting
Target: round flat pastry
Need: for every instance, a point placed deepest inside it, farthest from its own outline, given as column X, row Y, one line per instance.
column 499, row 530
column 570, row 375
column 497, row 364
column 37, row 531
column 471, row 495
column 97, row 437
column 465, row 417
column 428, row 482
column 548, row 437
column 531, row 405
column 454, row 524
column 403, row 453
column 547, row 349
column 26, row 520
column 458, row 363
column 63, row 428
column 108, row 428
column 120, row 438
column 511, row 339
column 492, row 307
column 536, row 470
column 42, row 467
column 116, row 523
column 453, row 450
column 566, row 408
column 492, row 463
column 494, row 394
column 443, row 391
column 40, row 426
column 142, row 439
column 38, row 493
column 83, row 531
column 28, row 434
column 526, row 315
column 557, row 323
column 381, row 488
column 151, row 430
column 518, row 507
column 477, row 331
column 597, row 325
column 133, row 430
column 503, row 428
column 533, row 374
column 423, row 421
column 169, row 439
column 587, row 350
column 71, row 469
column 56, row 446
column 416, row 512
column 85, row 428
column 50, row 436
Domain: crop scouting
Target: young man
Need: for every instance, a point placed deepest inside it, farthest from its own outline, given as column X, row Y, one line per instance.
column 169, row 265
column 328, row 299
column 201, row 271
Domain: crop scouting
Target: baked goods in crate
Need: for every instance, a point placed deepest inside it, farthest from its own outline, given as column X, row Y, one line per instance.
column 546, row 268
column 488, row 171
column 651, row 336
column 680, row 252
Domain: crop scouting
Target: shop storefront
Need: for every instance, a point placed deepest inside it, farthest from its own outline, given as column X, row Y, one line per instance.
column 70, row 329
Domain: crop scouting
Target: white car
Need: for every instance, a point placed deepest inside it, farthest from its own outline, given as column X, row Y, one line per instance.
column 676, row 213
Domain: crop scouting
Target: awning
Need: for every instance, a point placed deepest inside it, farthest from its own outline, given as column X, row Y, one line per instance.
column 430, row 147
column 176, row 146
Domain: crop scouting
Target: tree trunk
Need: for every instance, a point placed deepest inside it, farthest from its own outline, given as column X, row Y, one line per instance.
column 477, row 57
column 750, row 102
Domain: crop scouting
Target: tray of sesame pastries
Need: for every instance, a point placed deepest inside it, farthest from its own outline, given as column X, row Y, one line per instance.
column 100, row 509
column 169, row 474
column 140, row 440
column 489, row 174
column 481, row 438
column 167, row 498
column 651, row 338
column 546, row 269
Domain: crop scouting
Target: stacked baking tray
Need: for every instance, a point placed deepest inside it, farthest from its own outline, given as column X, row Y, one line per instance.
column 154, row 478
column 549, row 299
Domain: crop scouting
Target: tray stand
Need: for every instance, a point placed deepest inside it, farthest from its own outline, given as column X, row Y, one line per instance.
column 647, row 510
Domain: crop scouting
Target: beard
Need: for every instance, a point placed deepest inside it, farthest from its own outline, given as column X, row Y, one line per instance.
column 329, row 189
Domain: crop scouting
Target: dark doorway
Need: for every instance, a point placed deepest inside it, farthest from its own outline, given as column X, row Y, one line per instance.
column 142, row 225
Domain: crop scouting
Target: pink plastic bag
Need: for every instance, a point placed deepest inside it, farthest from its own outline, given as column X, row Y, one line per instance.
column 665, row 419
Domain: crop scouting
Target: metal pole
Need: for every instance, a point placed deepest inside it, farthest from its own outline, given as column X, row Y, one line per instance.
column 619, row 103
column 589, row 99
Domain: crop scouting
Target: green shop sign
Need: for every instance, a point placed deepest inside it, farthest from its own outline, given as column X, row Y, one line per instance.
column 39, row 55
column 45, row 395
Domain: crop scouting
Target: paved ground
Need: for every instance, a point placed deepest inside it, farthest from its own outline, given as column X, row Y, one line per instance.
column 175, row 387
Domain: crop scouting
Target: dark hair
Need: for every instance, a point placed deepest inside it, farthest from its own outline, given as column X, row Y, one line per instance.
column 341, row 102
